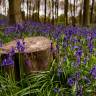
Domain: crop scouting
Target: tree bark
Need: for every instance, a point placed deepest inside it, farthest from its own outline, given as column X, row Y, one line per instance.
column 45, row 12
column 38, row 9
column 15, row 11
column 66, row 12
column 36, row 56
column 52, row 12
column 86, row 12
column 91, row 15
column 74, row 19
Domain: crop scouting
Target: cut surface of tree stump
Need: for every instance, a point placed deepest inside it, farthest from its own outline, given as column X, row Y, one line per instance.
column 32, row 44
column 35, row 57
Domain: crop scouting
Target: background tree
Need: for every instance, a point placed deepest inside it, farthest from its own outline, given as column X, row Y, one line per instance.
column 66, row 12
column 80, row 12
column 56, row 10
column 38, row 9
column 92, row 9
column 52, row 12
column 86, row 13
column 15, row 11
column 45, row 9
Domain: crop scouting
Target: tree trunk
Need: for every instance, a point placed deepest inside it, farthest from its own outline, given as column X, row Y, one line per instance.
column 80, row 17
column 36, row 56
column 71, row 11
column 91, row 15
column 57, row 4
column 74, row 10
column 27, row 10
column 15, row 11
column 56, row 10
column 38, row 9
column 45, row 12
column 52, row 12
column 66, row 12
column 86, row 13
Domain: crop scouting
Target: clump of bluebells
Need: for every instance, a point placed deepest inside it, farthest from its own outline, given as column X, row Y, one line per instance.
column 75, row 72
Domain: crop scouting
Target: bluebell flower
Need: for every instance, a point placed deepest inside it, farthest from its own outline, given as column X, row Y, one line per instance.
column 77, row 75
column 65, row 58
column 1, row 43
column 75, row 47
column 12, row 51
column 59, row 72
column 93, row 72
column 87, row 80
column 79, row 52
column 56, row 90
column 70, row 81
column 4, row 62
column 78, row 60
column 85, row 60
column 20, row 46
column 8, row 61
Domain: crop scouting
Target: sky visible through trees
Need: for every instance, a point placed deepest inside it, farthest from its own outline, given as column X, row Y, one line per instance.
column 24, row 7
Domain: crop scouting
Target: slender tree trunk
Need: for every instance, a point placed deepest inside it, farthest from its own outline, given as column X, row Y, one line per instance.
column 49, row 8
column 80, row 17
column 15, row 11
column 71, row 11
column 27, row 10
column 57, row 5
column 91, row 15
column 56, row 10
column 52, row 12
column 66, row 12
column 45, row 11
column 86, row 12
column 38, row 9
column 74, row 11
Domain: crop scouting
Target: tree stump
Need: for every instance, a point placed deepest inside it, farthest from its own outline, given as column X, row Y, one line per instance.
column 35, row 57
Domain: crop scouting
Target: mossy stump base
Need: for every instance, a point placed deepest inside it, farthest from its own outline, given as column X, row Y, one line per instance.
column 35, row 57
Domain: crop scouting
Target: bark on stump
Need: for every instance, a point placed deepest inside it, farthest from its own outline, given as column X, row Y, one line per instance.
column 35, row 57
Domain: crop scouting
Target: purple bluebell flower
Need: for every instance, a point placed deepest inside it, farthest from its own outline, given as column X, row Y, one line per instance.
column 90, row 46
column 75, row 47
column 20, row 46
column 4, row 62
column 59, row 72
column 65, row 58
column 1, row 43
column 87, row 80
column 93, row 72
column 70, row 81
column 79, row 52
column 85, row 60
column 8, row 61
column 77, row 75
column 89, row 36
column 56, row 90
column 78, row 60
column 12, row 51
